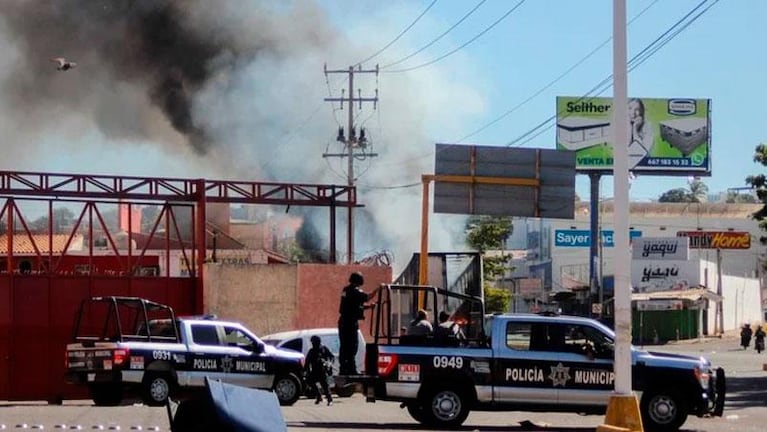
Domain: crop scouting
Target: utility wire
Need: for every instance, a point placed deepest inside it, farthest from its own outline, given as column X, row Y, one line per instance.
column 557, row 79
column 554, row 81
column 399, row 35
column 438, row 37
column 467, row 43
column 652, row 48
column 635, row 61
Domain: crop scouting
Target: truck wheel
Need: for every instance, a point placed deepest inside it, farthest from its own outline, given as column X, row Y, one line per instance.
column 345, row 391
column 106, row 394
column 157, row 388
column 663, row 410
column 445, row 408
column 418, row 413
column 287, row 388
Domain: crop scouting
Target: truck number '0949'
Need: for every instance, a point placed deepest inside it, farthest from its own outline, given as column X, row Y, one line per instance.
column 161, row 355
column 448, row 362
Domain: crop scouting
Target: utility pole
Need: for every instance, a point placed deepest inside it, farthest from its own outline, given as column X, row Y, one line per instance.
column 351, row 140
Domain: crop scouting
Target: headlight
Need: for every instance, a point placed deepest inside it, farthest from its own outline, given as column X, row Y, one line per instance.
column 703, row 376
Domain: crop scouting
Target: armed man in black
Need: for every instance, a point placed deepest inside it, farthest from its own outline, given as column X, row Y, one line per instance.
column 318, row 367
column 351, row 310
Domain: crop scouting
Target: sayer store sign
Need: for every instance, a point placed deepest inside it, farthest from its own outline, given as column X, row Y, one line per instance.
column 582, row 238
column 717, row 239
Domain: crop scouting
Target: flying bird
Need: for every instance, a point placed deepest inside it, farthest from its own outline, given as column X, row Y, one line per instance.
column 63, row 64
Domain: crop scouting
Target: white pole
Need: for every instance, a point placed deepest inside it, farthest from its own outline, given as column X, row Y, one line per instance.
column 621, row 213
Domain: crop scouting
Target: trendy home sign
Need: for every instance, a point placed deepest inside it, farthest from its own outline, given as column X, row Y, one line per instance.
column 717, row 239
column 582, row 238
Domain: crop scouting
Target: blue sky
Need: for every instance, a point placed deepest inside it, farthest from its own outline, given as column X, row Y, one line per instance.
column 265, row 116
column 718, row 57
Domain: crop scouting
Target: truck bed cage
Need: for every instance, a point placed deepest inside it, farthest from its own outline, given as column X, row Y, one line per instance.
column 397, row 305
column 149, row 321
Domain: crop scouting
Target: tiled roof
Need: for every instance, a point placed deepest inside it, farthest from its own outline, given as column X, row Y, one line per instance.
column 22, row 244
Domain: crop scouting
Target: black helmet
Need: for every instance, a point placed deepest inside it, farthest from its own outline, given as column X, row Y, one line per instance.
column 356, row 278
column 315, row 340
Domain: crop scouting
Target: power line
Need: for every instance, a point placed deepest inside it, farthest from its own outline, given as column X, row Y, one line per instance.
column 557, row 79
column 635, row 61
column 487, row 29
column 652, row 48
column 554, row 81
column 399, row 35
column 438, row 37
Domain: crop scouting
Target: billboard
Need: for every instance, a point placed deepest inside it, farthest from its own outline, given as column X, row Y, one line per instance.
column 503, row 181
column 717, row 239
column 667, row 136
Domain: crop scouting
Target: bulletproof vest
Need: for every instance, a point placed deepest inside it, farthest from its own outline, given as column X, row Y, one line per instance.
column 351, row 307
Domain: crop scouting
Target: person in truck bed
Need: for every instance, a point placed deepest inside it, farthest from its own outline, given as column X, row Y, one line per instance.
column 420, row 326
column 448, row 332
column 351, row 310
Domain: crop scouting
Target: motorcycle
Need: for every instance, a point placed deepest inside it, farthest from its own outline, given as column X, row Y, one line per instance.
column 745, row 336
column 759, row 345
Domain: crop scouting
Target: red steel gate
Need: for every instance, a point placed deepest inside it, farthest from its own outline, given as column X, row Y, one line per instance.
column 36, row 318
column 42, row 282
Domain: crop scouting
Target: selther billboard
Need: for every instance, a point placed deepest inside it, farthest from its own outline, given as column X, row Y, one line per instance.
column 667, row 136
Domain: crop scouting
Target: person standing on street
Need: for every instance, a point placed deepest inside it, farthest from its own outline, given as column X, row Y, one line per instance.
column 318, row 367
column 745, row 335
column 351, row 311
column 759, row 339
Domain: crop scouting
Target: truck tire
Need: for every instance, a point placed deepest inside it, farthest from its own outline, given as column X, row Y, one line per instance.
column 104, row 395
column 445, row 407
column 156, row 388
column 418, row 413
column 663, row 410
column 345, row 391
column 287, row 388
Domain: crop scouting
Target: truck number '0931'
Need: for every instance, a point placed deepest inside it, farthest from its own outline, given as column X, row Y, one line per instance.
column 448, row 362
column 161, row 355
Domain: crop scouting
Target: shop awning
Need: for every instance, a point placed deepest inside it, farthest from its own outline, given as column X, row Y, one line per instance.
column 694, row 294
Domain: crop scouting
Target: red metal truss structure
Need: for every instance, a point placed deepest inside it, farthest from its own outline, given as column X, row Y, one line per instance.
column 39, row 292
column 172, row 192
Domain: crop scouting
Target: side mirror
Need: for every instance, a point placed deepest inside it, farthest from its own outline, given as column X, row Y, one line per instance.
column 257, row 348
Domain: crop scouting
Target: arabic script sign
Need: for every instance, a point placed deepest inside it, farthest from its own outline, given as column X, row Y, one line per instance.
column 664, row 275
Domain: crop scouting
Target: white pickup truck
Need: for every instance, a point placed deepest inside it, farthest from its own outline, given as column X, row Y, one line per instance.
column 137, row 347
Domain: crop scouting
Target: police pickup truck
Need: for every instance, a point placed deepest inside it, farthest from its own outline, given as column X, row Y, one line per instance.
column 129, row 346
column 525, row 362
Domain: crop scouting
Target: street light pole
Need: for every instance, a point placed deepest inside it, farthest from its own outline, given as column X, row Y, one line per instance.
column 623, row 406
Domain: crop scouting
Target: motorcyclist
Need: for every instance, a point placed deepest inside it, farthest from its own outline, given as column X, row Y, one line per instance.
column 759, row 339
column 745, row 335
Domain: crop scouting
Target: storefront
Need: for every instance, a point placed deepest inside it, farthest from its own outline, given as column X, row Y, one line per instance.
column 671, row 315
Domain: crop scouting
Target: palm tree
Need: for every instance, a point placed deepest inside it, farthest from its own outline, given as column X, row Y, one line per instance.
column 698, row 190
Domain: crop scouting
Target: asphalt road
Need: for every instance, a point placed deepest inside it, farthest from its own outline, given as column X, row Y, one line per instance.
column 745, row 410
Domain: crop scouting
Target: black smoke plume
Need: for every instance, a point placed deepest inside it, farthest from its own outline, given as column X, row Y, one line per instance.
column 168, row 49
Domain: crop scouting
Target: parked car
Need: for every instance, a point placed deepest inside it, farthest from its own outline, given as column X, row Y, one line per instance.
column 299, row 341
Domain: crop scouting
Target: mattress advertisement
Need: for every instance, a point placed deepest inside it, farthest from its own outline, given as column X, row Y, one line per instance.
column 666, row 136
